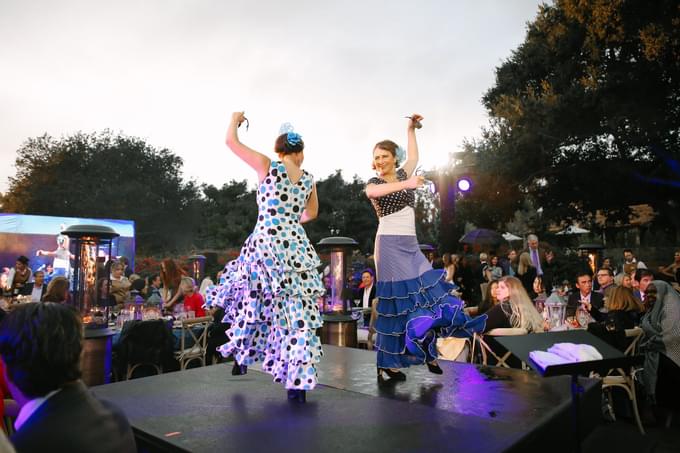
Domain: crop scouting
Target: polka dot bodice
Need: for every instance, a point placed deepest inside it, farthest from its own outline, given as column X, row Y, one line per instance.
column 396, row 201
column 269, row 293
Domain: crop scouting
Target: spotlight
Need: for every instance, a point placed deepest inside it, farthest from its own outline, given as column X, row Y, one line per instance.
column 464, row 185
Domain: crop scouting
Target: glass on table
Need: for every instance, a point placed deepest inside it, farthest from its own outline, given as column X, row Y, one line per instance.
column 583, row 317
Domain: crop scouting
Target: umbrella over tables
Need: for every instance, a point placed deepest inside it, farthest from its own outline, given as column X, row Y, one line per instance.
column 511, row 237
column 572, row 229
column 482, row 236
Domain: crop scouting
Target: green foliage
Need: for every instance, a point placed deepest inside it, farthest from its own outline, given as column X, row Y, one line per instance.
column 227, row 215
column 106, row 176
column 585, row 114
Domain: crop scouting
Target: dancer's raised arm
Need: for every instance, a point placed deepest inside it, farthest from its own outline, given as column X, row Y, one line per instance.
column 412, row 146
column 257, row 161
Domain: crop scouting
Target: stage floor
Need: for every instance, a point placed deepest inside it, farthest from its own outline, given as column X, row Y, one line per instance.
column 469, row 408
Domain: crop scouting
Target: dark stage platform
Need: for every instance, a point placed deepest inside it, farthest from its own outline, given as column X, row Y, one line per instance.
column 469, row 408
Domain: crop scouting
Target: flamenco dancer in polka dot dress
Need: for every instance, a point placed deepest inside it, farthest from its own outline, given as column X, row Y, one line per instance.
column 269, row 292
column 414, row 301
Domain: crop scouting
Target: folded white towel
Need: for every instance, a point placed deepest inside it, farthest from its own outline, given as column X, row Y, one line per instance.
column 576, row 352
column 546, row 359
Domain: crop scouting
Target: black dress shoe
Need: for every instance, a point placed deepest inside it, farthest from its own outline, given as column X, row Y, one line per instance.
column 297, row 396
column 395, row 375
column 238, row 370
column 435, row 369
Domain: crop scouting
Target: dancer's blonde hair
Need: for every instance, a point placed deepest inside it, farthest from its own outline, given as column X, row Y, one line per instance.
column 522, row 314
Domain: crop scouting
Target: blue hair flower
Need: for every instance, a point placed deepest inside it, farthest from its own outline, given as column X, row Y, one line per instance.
column 400, row 154
column 293, row 138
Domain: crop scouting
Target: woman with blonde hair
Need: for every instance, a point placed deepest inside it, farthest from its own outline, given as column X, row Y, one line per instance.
column 624, row 280
column 450, row 263
column 526, row 272
column 515, row 308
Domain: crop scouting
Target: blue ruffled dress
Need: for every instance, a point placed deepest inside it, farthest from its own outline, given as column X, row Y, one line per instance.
column 415, row 304
column 269, row 293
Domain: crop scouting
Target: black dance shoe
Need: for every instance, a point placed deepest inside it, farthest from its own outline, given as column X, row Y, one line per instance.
column 393, row 375
column 297, row 396
column 434, row 368
column 239, row 370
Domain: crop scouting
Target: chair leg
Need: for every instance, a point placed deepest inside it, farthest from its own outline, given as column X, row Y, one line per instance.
column 633, row 401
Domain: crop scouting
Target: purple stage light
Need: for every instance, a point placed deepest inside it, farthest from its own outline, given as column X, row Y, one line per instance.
column 464, row 184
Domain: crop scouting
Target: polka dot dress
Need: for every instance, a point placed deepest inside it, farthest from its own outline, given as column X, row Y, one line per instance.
column 269, row 292
column 396, row 201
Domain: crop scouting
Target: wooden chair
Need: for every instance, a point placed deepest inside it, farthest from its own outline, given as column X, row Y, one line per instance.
column 143, row 344
column 485, row 350
column 200, row 340
column 626, row 379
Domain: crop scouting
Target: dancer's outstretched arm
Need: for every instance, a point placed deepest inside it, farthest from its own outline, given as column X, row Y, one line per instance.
column 257, row 161
column 380, row 190
column 312, row 207
column 412, row 147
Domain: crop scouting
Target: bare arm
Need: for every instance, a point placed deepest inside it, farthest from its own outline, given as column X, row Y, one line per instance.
column 412, row 147
column 312, row 208
column 668, row 270
column 257, row 161
column 380, row 190
column 172, row 302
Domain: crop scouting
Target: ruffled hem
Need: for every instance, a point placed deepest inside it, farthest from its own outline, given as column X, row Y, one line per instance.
column 413, row 313
column 290, row 356
column 405, row 296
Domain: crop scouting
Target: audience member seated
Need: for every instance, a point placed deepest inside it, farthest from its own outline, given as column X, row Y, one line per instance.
column 492, row 271
column 137, row 291
column 589, row 300
column 661, row 348
column 672, row 271
column 18, row 276
column 540, row 293
column 120, row 285
column 41, row 344
column 36, row 288
column 641, row 279
column 57, row 290
column 623, row 312
column 624, row 280
column 193, row 301
column 153, row 291
column 490, row 298
column 605, row 281
column 515, row 308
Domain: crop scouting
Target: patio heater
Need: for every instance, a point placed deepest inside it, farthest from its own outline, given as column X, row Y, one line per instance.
column 339, row 327
column 594, row 253
column 339, row 248
column 197, row 266
column 89, row 288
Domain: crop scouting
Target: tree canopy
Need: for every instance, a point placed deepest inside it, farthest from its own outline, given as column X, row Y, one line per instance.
column 585, row 114
column 106, row 175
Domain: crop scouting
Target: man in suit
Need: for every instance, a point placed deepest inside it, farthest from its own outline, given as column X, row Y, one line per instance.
column 36, row 288
column 537, row 255
column 40, row 344
column 366, row 291
column 585, row 297
column 641, row 280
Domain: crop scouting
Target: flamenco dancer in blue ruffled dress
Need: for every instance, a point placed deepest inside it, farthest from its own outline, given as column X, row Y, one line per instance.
column 414, row 301
column 269, row 292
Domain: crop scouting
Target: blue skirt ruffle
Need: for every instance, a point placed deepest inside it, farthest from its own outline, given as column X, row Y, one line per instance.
column 413, row 313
